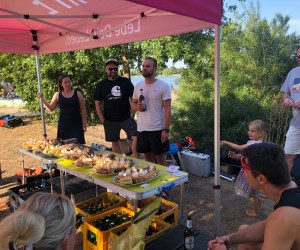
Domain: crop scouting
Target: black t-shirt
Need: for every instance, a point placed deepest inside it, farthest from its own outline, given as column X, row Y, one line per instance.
column 115, row 97
column 289, row 197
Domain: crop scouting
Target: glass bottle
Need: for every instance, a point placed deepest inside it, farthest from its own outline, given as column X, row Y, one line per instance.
column 189, row 235
column 107, row 222
column 142, row 100
column 119, row 219
column 92, row 237
column 112, row 225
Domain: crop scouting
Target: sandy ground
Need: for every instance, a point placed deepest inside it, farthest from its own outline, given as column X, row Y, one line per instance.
column 199, row 198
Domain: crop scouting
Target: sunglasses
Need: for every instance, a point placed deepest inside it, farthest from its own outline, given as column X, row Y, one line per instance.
column 245, row 166
column 111, row 69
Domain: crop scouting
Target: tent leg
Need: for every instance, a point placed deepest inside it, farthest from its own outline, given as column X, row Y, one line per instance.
column 217, row 130
column 37, row 63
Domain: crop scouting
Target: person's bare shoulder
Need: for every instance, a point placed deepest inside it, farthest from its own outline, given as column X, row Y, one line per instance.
column 55, row 97
column 283, row 229
column 56, row 94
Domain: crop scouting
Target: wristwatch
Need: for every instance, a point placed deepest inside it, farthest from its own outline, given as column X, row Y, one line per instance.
column 167, row 130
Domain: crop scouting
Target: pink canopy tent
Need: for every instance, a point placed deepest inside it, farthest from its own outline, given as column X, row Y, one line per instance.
column 44, row 27
column 66, row 25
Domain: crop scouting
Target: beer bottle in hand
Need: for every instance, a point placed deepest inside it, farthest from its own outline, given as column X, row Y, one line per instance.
column 189, row 235
column 142, row 100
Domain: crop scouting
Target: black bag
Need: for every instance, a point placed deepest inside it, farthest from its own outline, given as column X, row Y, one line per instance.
column 14, row 122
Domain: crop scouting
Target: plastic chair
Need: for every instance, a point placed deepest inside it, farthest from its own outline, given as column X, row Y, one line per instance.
column 169, row 155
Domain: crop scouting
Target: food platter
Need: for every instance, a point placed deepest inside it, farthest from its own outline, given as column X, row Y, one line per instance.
column 86, row 166
column 95, row 172
column 114, row 180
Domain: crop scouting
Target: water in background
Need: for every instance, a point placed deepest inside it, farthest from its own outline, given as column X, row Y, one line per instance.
column 172, row 80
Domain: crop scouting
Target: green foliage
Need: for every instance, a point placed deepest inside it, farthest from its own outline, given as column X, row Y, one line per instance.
column 193, row 109
column 255, row 59
column 170, row 71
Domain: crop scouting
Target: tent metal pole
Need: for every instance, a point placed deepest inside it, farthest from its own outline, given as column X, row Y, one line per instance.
column 37, row 63
column 217, row 130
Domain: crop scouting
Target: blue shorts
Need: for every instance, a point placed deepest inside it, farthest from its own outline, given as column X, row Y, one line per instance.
column 112, row 129
column 150, row 141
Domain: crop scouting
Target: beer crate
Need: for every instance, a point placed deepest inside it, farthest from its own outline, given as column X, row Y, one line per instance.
column 170, row 216
column 162, row 227
column 19, row 194
column 106, row 198
column 101, row 237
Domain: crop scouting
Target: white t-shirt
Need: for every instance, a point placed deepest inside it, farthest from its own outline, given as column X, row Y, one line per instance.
column 153, row 118
column 291, row 86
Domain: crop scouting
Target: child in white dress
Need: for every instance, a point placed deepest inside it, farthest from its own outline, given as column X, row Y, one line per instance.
column 256, row 132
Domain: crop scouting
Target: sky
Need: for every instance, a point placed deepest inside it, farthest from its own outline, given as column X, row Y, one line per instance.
column 268, row 9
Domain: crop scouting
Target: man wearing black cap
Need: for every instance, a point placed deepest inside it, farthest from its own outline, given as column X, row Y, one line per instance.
column 112, row 101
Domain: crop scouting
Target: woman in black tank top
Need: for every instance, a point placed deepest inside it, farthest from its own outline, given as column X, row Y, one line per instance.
column 72, row 117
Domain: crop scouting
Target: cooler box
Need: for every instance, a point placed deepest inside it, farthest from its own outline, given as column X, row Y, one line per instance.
column 195, row 163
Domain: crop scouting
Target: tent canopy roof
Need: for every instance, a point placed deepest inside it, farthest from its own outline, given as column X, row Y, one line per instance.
column 67, row 25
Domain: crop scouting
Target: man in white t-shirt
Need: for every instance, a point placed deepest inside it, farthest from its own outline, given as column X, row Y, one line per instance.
column 291, row 99
column 154, row 115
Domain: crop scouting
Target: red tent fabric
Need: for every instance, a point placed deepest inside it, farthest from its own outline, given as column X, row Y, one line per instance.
column 67, row 25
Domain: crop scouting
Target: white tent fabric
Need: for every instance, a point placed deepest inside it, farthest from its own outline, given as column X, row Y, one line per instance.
column 52, row 26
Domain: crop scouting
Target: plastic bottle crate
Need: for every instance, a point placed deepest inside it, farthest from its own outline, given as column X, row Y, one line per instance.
column 171, row 216
column 163, row 228
column 19, row 194
column 106, row 197
column 102, row 237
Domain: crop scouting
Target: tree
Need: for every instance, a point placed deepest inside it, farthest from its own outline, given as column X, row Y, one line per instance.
column 255, row 58
column 257, row 61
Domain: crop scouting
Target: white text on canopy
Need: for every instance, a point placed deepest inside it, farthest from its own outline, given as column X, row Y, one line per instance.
column 106, row 32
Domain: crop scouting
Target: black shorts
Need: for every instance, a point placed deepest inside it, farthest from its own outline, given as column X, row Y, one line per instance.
column 150, row 141
column 112, row 129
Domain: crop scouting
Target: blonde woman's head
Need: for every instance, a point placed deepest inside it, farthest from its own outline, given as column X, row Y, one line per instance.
column 45, row 221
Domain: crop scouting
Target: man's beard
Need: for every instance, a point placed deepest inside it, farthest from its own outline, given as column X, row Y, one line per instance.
column 148, row 74
column 113, row 76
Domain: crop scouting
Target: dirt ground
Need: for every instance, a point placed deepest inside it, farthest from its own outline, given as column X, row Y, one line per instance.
column 199, row 198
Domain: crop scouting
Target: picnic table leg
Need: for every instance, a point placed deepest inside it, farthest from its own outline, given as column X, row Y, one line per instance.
column 62, row 182
column 181, row 216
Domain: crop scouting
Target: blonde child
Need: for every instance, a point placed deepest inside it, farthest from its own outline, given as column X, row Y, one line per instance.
column 256, row 133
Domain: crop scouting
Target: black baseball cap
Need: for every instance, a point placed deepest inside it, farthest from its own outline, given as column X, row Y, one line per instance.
column 112, row 60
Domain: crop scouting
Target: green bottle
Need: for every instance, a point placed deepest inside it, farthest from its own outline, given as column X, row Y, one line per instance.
column 112, row 225
column 92, row 237
column 189, row 236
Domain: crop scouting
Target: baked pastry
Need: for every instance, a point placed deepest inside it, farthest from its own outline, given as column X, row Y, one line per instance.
column 137, row 175
column 126, row 180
